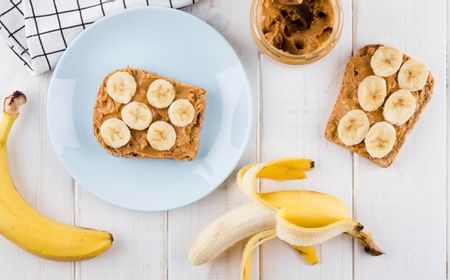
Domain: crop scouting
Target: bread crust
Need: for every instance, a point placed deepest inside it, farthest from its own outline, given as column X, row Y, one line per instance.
column 358, row 67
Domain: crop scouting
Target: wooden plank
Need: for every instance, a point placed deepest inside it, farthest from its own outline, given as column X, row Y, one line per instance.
column 448, row 138
column 36, row 171
column 405, row 205
column 296, row 102
column 139, row 249
column 231, row 19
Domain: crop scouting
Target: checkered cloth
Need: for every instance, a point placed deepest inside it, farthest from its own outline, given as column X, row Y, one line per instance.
column 38, row 31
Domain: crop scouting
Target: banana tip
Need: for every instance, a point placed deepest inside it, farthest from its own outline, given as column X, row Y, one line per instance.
column 195, row 257
column 373, row 251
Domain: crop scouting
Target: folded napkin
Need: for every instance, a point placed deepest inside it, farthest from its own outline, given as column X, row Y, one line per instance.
column 38, row 31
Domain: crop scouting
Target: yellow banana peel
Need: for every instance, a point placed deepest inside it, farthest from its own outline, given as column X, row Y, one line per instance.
column 309, row 253
column 27, row 228
column 254, row 242
column 302, row 218
column 285, row 169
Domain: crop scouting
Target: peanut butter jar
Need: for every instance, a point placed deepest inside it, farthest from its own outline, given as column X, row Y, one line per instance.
column 296, row 34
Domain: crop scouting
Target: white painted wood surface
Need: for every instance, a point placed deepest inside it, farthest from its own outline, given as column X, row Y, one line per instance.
column 404, row 206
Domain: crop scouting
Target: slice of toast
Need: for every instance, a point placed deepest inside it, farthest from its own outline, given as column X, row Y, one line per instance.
column 188, row 138
column 358, row 67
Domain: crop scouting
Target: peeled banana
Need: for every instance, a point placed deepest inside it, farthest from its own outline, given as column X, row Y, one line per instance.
column 301, row 218
column 27, row 228
column 235, row 225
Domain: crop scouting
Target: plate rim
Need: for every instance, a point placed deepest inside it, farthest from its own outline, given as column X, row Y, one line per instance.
column 247, row 86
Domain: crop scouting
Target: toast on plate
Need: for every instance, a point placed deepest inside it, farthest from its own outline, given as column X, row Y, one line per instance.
column 141, row 114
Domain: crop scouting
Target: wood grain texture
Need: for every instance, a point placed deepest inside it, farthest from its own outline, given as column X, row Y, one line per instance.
column 404, row 206
column 38, row 174
column 230, row 18
column 296, row 102
column 448, row 133
column 139, row 248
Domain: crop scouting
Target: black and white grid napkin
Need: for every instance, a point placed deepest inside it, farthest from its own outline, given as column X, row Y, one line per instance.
column 38, row 31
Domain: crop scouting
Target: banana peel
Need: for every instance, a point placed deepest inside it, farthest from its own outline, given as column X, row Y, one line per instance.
column 286, row 169
column 309, row 253
column 254, row 242
column 301, row 218
column 27, row 228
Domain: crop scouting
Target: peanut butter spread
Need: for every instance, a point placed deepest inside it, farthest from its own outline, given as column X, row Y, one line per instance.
column 358, row 68
column 188, row 138
column 297, row 29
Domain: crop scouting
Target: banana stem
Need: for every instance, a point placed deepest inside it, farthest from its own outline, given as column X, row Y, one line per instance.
column 366, row 240
column 13, row 102
column 10, row 112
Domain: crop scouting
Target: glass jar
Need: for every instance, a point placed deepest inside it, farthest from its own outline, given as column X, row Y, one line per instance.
column 288, row 58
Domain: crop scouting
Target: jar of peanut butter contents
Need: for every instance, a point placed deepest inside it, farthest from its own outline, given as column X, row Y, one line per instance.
column 295, row 33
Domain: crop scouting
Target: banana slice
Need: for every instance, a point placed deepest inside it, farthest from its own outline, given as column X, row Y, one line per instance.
column 137, row 115
column 413, row 75
column 399, row 107
column 372, row 92
column 161, row 136
column 181, row 113
column 380, row 139
column 386, row 61
column 121, row 86
column 161, row 93
column 353, row 127
column 115, row 133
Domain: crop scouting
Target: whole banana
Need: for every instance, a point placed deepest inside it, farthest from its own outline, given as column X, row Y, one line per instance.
column 27, row 228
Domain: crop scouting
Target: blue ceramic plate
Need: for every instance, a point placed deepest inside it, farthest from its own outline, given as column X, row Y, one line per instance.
column 172, row 43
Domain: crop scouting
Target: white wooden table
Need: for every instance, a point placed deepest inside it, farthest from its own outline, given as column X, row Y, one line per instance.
column 405, row 206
